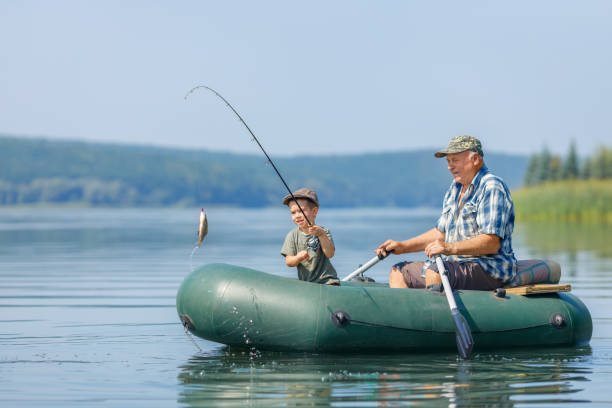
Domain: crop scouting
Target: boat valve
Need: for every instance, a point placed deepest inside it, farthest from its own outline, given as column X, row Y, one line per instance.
column 500, row 292
column 557, row 321
column 340, row 318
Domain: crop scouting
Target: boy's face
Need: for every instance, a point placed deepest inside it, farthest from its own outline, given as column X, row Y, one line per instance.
column 309, row 209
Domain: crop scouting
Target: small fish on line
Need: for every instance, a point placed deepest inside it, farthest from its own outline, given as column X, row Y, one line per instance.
column 203, row 228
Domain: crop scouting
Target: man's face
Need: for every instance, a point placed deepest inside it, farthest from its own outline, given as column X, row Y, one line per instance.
column 462, row 167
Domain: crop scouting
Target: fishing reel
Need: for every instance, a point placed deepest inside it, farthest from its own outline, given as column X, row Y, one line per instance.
column 313, row 243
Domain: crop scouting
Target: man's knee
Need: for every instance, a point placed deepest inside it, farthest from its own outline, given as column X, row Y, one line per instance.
column 396, row 273
column 432, row 278
column 396, row 279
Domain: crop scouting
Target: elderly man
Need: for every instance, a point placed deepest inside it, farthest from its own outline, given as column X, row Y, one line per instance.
column 474, row 230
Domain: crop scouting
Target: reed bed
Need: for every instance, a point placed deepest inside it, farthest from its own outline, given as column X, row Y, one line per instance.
column 570, row 200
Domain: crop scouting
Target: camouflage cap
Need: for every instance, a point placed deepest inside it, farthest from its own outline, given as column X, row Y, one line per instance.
column 461, row 144
column 306, row 193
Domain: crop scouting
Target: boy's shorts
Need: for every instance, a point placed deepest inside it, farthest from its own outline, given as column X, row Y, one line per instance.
column 461, row 275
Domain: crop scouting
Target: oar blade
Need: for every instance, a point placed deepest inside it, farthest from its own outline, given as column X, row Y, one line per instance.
column 465, row 342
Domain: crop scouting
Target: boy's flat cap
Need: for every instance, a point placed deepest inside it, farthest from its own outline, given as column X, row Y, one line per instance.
column 302, row 193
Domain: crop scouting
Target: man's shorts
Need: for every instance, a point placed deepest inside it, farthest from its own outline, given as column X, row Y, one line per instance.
column 461, row 275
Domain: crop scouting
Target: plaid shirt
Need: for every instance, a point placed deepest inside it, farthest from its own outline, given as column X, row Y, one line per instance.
column 487, row 209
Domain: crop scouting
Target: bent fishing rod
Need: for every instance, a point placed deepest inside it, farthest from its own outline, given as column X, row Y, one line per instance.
column 254, row 138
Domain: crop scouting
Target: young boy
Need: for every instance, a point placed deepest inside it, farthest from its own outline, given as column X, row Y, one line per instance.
column 309, row 247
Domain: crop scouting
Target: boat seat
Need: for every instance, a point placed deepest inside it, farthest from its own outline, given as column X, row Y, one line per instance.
column 532, row 271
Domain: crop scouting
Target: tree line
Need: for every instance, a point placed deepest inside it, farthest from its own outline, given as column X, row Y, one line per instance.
column 545, row 167
column 34, row 171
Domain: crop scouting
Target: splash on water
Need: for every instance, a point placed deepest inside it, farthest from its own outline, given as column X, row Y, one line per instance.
column 247, row 327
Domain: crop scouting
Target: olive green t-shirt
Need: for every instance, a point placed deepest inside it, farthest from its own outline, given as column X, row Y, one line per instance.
column 316, row 269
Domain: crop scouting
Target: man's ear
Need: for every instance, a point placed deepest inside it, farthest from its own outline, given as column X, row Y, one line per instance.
column 315, row 210
column 476, row 159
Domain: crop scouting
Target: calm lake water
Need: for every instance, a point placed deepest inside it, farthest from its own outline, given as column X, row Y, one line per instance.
column 88, row 318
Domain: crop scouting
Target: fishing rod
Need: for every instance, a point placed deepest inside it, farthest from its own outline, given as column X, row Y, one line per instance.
column 254, row 138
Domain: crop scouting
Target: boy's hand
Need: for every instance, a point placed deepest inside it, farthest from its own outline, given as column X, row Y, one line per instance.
column 303, row 255
column 316, row 230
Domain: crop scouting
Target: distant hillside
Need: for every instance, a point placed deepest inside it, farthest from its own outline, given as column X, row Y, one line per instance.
column 43, row 171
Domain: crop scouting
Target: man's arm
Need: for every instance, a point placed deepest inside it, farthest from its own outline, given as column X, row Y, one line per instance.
column 483, row 244
column 415, row 244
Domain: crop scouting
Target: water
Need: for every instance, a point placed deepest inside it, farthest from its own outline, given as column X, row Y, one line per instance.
column 87, row 317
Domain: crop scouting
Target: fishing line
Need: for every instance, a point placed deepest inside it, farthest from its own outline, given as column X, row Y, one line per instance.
column 255, row 139
column 198, row 196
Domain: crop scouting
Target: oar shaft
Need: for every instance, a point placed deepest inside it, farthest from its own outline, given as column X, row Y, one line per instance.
column 364, row 267
column 445, row 283
column 465, row 342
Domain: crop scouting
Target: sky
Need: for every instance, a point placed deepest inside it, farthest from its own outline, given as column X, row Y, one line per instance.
column 310, row 78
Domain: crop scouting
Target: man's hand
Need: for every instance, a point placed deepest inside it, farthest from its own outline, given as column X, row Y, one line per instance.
column 437, row 247
column 388, row 246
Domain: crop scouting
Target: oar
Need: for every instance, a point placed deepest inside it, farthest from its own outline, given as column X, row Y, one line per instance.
column 366, row 266
column 465, row 342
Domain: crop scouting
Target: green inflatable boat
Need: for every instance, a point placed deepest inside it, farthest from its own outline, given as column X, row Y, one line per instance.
column 238, row 306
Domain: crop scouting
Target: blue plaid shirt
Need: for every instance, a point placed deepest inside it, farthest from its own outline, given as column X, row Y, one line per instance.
column 487, row 209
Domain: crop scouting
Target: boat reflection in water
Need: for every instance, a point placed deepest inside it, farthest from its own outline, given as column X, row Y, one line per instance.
column 230, row 376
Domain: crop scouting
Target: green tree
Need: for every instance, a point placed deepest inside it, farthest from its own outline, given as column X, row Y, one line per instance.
column 570, row 165
column 601, row 163
column 554, row 171
column 531, row 174
column 585, row 172
column 543, row 170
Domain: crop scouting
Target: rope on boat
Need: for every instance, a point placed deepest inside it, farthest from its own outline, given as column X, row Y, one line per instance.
column 450, row 331
column 192, row 340
column 341, row 318
column 188, row 325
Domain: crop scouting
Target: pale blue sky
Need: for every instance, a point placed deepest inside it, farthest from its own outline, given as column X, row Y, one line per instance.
column 315, row 77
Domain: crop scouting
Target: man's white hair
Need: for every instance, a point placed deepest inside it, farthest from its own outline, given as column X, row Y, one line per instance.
column 472, row 153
